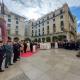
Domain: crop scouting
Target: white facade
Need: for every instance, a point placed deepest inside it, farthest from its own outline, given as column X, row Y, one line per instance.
column 15, row 24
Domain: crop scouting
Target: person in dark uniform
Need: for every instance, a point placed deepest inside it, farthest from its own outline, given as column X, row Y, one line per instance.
column 31, row 46
column 2, row 54
column 16, row 50
column 25, row 46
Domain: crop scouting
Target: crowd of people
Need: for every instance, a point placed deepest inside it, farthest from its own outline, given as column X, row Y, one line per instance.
column 71, row 45
column 10, row 51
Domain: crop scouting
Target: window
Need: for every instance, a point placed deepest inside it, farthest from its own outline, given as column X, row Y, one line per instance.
column 43, row 33
column 17, row 22
column 16, row 27
column 9, row 20
column 9, row 16
column 16, row 18
column 32, row 23
column 39, row 25
column 9, row 25
column 54, row 15
column 8, row 31
column 47, row 22
column 16, row 32
column 61, row 11
column 32, row 34
column 43, row 29
column 36, row 33
column 62, row 25
column 43, row 23
column 43, row 20
column 47, row 17
column 32, row 31
column 47, row 29
column 61, row 17
column 53, row 20
column 39, row 22
column 39, row 30
column 39, row 33
column 54, row 28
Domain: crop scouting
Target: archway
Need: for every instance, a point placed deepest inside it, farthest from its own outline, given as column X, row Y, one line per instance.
column 3, row 29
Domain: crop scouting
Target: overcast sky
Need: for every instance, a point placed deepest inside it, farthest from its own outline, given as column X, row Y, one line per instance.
column 33, row 9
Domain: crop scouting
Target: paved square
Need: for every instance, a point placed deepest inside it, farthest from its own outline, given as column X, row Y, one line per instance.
column 54, row 64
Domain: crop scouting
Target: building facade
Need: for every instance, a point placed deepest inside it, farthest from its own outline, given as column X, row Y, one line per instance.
column 57, row 25
column 15, row 23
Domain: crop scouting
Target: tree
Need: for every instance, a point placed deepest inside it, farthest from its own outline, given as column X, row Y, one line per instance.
column 35, row 40
column 43, row 39
column 39, row 40
column 54, row 38
column 61, row 37
column 48, row 39
column 27, row 39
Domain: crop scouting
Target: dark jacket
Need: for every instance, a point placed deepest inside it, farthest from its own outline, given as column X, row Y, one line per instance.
column 2, row 51
column 16, row 48
column 8, row 49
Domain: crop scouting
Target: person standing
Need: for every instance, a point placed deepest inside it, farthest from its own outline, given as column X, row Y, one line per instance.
column 16, row 49
column 25, row 46
column 31, row 47
column 28, row 46
column 56, row 45
column 2, row 54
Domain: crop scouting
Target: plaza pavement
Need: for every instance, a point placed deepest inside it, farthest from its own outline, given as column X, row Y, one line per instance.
column 54, row 64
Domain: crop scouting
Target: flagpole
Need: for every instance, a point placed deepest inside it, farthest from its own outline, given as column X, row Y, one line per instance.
column 2, row 8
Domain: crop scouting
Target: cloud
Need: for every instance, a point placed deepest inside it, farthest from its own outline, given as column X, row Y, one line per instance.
column 78, row 22
column 37, row 8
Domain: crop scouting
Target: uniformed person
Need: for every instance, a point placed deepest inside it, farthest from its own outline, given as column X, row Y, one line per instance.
column 16, row 49
column 2, row 54
column 9, row 52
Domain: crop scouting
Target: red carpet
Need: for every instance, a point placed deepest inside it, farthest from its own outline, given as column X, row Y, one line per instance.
column 27, row 54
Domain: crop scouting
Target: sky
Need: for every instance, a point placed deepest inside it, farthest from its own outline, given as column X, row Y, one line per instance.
column 33, row 9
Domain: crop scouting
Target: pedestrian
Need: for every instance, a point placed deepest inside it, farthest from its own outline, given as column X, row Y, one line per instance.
column 56, row 45
column 16, row 50
column 9, row 53
column 25, row 46
column 22, row 47
column 31, row 46
column 2, row 54
column 28, row 46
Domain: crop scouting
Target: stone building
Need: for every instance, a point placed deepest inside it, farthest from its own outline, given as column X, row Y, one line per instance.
column 56, row 25
column 14, row 22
